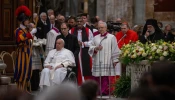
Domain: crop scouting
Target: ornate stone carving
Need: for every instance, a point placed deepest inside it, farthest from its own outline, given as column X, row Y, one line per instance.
column 136, row 71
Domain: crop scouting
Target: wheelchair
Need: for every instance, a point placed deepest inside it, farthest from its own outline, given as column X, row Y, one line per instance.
column 70, row 76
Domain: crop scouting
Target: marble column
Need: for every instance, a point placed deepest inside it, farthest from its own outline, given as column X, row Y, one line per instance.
column 139, row 12
column 85, row 6
column 73, row 7
column 92, row 8
column 101, row 9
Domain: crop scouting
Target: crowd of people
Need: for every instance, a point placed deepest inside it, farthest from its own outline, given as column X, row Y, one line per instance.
column 157, row 84
column 51, row 44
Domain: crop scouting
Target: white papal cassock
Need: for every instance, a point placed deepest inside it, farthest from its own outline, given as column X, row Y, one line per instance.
column 55, row 58
column 107, row 56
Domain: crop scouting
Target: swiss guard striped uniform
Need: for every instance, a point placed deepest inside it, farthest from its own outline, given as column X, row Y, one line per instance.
column 23, row 67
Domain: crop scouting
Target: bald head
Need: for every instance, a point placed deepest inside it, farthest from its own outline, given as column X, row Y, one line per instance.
column 59, row 44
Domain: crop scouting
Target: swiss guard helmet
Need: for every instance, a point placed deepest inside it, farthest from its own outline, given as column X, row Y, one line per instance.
column 23, row 13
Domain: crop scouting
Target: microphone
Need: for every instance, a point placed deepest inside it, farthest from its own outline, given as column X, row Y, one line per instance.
column 121, row 38
column 103, row 39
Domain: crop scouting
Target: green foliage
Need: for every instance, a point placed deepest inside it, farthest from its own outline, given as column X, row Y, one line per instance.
column 122, row 86
column 134, row 52
column 126, row 60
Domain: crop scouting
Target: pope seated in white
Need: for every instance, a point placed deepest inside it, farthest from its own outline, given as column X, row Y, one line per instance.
column 56, row 65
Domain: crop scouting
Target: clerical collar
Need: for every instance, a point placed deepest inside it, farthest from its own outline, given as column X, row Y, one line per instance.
column 22, row 26
column 103, row 35
column 54, row 28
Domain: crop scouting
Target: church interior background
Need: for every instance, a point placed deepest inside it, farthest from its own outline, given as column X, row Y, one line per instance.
column 132, row 11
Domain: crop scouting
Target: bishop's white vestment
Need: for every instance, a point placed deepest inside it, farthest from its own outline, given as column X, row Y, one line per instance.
column 55, row 58
column 103, row 60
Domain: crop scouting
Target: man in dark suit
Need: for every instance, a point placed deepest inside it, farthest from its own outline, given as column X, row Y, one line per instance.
column 71, row 42
column 43, row 26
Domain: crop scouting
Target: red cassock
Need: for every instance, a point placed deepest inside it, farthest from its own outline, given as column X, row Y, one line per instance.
column 130, row 36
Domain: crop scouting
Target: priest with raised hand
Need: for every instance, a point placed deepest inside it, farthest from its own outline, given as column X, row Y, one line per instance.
column 105, row 53
column 56, row 65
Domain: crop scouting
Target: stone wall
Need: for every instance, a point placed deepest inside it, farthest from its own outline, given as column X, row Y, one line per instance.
column 164, row 17
column 132, row 11
column 112, row 9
